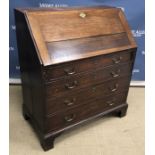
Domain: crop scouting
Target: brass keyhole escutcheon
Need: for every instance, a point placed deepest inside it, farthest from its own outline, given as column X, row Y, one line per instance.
column 94, row 89
column 82, row 15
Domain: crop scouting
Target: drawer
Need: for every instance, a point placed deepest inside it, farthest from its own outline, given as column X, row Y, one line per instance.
column 74, row 115
column 73, row 68
column 84, row 96
column 76, row 82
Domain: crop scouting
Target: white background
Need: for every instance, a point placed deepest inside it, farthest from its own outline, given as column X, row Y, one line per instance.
column 150, row 78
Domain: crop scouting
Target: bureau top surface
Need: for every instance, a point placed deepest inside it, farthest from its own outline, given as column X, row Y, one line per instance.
column 67, row 34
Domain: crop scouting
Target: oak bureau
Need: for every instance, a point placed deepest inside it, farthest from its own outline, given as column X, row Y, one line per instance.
column 76, row 65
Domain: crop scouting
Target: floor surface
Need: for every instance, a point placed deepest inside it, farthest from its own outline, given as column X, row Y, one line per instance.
column 106, row 136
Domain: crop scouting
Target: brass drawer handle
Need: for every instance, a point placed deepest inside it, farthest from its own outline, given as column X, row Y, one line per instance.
column 114, row 89
column 115, row 74
column 70, row 102
column 110, row 103
column 70, row 118
column 83, row 15
column 117, row 60
column 74, row 84
column 69, row 71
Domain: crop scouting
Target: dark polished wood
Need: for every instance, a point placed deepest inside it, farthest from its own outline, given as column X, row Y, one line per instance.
column 82, row 47
column 68, row 100
column 70, row 69
column 76, row 66
column 75, row 114
column 62, row 90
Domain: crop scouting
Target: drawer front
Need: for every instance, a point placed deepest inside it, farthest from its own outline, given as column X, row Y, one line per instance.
column 73, row 68
column 70, row 84
column 84, row 96
column 82, row 112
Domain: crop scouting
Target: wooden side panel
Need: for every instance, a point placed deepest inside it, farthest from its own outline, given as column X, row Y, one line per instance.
column 23, row 59
column 38, row 39
column 30, row 71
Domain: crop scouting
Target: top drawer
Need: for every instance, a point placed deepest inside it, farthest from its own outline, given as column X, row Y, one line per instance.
column 73, row 68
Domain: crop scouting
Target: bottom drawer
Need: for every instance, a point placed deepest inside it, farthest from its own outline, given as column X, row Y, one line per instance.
column 74, row 115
